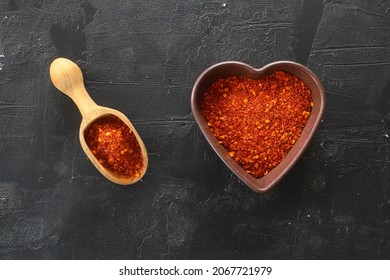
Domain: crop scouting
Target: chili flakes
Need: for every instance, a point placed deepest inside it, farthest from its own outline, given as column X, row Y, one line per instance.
column 115, row 146
column 258, row 121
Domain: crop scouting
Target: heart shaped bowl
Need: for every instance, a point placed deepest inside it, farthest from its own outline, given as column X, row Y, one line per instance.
column 234, row 68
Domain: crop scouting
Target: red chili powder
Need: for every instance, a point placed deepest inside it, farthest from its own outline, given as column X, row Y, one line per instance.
column 115, row 146
column 258, row 121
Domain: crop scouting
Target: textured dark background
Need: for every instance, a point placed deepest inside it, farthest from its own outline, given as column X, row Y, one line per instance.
column 142, row 58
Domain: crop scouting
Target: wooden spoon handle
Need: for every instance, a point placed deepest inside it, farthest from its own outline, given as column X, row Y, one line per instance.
column 67, row 77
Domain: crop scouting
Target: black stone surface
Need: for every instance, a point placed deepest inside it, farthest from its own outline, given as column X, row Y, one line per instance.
column 142, row 58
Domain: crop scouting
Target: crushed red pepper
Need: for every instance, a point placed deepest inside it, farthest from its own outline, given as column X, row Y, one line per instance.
column 115, row 146
column 258, row 121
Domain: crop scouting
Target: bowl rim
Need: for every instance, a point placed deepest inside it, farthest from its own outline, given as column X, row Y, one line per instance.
column 264, row 183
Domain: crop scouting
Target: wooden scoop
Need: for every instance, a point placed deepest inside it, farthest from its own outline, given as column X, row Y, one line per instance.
column 67, row 77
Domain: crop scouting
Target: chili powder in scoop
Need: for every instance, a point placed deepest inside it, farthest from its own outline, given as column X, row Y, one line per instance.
column 258, row 121
column 115, row 146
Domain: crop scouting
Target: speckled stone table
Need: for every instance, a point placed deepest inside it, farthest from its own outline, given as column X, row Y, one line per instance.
column 142, row 58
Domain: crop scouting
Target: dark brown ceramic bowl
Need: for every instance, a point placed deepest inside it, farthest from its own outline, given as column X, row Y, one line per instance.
column 233, row 68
